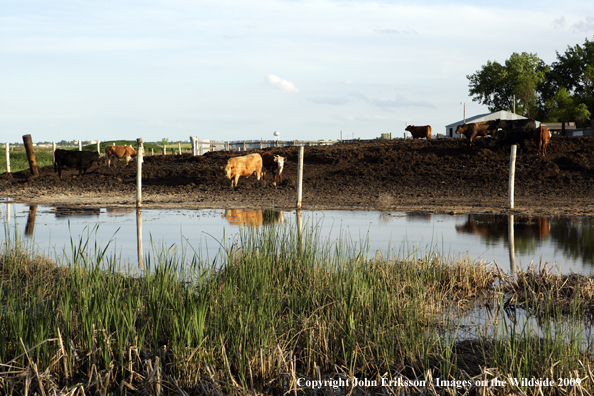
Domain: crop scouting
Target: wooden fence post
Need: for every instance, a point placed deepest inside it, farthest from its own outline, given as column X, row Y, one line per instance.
column 54, row 152
column 139, row 156
column 7, row 158
column 179, row 148
column 512, row 174
column 300, row 177
column 28, row 141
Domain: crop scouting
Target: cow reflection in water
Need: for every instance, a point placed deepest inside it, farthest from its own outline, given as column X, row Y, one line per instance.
column 254, row 217
column 494, row 228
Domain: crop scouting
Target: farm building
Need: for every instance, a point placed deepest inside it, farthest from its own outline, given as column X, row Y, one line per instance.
column 502, row 115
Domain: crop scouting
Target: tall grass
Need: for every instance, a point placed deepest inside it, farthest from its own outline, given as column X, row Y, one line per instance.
column 277, row 305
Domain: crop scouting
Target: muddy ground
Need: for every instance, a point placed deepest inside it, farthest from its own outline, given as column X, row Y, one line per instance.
column 440, row 176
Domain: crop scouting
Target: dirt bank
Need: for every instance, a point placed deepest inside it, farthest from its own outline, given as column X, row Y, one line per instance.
column 441, row 176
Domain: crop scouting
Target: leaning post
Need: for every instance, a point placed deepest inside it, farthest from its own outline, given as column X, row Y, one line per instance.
column 139, row 156
column 28, row 141
column 300, row 178
column 7, row 158
column 512, row 174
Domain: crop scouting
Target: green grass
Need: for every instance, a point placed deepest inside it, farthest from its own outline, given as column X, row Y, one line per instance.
column 276, row 306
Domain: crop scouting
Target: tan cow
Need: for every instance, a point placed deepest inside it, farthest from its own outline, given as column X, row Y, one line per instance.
column 474, row 129
column 243, row 166
column 119, row 152
column 541, row 137
column 419, row 132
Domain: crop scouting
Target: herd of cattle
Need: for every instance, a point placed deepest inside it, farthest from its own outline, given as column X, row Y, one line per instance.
column 505, row 132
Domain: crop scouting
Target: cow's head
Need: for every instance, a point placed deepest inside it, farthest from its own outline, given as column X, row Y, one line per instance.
column 408, row 128
column 228, row 169
column 280, row 161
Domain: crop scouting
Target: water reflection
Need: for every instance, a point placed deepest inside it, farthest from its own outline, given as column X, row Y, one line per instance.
column 65, row 211
column 255, row 218
column 118, row 211
column 30, row 227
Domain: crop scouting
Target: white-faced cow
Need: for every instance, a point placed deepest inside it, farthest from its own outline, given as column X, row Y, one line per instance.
column 474, row 129
column 243, row 166
column 82, row 160
column 119, row 152
column 275, row 164
column 419, row 132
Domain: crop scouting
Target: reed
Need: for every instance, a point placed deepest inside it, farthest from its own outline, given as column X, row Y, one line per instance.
column 276, row 305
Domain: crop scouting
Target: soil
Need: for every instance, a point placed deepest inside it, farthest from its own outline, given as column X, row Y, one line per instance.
column 438, row 176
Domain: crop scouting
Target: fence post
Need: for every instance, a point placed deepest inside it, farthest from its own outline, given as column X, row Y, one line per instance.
column 164, row 149
column 54, row 152
column 139, row 156
column 99, row 147
column 79, row 145
column 300, row 177
column 244, row 145
column 7, row 158
column 179, row 147
column 512, row 174
column 28, row 141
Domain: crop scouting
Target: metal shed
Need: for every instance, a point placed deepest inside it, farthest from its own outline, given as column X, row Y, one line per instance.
column 502, row 115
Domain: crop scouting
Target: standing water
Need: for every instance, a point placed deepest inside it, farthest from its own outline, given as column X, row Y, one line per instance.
column 566, row 241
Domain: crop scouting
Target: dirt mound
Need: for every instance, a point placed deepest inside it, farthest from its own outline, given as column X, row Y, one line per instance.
column 436, row 175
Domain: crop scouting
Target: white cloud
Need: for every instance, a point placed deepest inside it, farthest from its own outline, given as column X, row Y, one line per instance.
column 584, row 26
column 283, row 85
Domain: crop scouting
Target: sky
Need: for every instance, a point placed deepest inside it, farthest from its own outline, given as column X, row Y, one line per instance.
column 242, row 70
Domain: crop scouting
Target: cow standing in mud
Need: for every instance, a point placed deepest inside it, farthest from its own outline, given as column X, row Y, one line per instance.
column 475, row 129
column 275, row 164
column 119, row 152
column 419, row 132
column 82, row 160
column 244, row 166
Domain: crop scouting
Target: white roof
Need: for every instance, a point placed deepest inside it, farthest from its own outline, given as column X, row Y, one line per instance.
column 501, row 115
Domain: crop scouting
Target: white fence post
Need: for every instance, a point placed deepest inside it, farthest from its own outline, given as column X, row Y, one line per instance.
column 80, row 145
column 139, row 155
column 512, row 174
column 7, row 157
column 300, row 178
column 99, row 146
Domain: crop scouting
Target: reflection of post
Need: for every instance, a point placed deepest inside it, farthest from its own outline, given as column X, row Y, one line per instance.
column 299, row 230
column 30, row 227
column 28, row 141
column 510, row 232
column 139, row 238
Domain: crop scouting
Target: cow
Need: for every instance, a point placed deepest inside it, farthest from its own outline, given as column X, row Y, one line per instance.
column 245, row 166
column 508, row 137
column 541, row 137
column 526, row 124
column 74, row 159
column 119, row 152
column 472, row 130
column 273, row 163
column 419, row 132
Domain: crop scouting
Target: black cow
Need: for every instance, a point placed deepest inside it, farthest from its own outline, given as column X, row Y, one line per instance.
column 74, row 159
column 508, row 137
column 527, row 124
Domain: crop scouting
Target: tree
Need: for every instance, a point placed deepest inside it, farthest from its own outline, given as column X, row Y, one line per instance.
column 565, row 107
column 574, row 71
column 496, row 85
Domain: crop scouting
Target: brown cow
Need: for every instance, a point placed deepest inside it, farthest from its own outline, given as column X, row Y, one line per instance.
column 541, row 137
column 243, row 166
column 471, row 130
column 419, row 132
column 119, row 152
column 275, row 164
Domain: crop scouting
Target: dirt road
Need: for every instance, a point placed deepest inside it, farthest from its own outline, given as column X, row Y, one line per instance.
column 440, row 176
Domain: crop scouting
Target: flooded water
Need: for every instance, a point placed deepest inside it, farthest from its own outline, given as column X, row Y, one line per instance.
column 568, row 242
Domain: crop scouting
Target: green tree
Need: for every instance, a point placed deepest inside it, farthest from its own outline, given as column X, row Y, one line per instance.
column 574, row 71
column 496, row 85
column 565, row 107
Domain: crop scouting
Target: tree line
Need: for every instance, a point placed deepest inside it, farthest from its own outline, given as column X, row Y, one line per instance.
column 560, row 92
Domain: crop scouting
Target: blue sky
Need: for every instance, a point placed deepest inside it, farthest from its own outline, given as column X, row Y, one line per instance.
column 234, row 70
